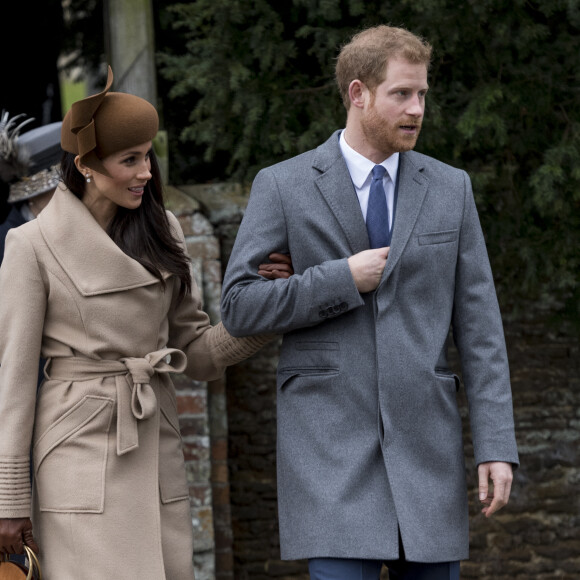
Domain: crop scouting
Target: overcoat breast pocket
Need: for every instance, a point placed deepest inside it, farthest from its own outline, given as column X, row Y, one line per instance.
column 70, row 458
column 433, row 238
column 428, row 266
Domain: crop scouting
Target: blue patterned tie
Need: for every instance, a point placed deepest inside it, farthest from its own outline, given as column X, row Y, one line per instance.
column 378, row 211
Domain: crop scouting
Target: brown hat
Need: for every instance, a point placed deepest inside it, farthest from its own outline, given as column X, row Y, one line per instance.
column 106, row 123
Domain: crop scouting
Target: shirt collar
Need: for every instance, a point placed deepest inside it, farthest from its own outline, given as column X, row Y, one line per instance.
column 360, row 167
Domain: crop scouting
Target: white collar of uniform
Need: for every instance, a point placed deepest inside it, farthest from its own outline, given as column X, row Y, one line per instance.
column 360, row 167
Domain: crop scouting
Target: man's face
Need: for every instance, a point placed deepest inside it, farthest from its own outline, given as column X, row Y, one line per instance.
column 391, row 119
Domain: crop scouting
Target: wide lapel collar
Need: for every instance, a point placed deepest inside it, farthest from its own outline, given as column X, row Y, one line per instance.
column 335, row 185
column 412, row 190
column 90, row 258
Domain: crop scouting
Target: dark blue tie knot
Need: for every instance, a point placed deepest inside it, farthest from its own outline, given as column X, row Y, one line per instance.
column 378, row 172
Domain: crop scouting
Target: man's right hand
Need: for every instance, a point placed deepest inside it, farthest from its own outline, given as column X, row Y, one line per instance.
column 14, row 533
column 367, row 268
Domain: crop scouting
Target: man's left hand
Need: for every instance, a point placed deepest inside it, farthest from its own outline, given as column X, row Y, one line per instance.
column 501, row 475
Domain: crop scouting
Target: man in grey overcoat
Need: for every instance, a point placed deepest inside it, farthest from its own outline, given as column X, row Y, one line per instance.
column 388, row 255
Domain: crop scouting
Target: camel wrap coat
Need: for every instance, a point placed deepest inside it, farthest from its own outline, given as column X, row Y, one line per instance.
column 110, row 496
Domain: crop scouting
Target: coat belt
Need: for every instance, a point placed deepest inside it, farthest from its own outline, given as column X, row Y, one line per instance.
column 136, row 400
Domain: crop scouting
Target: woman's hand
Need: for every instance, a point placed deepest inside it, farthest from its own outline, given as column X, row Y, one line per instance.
column 14, row 533
column 281, row 267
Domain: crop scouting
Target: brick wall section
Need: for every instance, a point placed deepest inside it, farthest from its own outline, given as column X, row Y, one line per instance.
column 201, row 409
column 537, row 536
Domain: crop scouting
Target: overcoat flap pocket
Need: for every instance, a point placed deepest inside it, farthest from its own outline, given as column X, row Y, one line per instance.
column 70, row 458
column 438, row 238
column 309, row 358
column 172, row 476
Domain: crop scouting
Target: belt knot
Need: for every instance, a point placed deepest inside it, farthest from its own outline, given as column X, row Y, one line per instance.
column 136, row 399
column 143, row 400
column 140, row 369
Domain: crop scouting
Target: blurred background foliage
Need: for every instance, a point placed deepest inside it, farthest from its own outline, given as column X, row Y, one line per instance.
column 254, row 82
column 246, row 83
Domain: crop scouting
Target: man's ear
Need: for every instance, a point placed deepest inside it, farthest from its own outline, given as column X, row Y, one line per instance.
column 358, row 93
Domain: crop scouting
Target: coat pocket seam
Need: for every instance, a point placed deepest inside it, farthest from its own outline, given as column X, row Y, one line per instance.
column 309, row 370
column 435, row 238
column 57, row 504
column 447, row 374
column 70, row 433
column 288, row 373
column 317, row 345
column 165, row 494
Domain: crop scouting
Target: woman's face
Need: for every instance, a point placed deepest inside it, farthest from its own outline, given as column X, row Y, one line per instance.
column 129, row 170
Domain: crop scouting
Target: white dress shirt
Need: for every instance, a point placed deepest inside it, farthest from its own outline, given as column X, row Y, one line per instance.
column 360, row 169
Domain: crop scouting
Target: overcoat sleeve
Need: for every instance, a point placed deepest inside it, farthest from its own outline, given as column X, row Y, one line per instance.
column 22, row 308
column 479, row 336
column 251, row 303
column 209, row 349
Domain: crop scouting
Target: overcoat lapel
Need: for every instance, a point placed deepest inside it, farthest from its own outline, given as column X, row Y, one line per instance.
column 90, row 258
column 335, row 185
column 413, row 187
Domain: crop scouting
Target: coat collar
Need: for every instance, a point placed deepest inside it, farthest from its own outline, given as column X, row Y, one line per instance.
column 413, row 185
column 336, row 186
column 90, row 258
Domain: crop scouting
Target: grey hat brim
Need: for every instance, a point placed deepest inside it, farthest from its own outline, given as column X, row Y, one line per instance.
column 34, row 185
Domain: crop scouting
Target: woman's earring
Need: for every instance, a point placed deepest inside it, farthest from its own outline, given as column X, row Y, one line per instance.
column 88, row 178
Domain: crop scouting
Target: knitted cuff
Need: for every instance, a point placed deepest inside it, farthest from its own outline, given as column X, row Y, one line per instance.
column 15, row 489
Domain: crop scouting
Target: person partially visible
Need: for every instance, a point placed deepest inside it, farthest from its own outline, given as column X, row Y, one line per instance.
column 30, row 166
column 388, row 254
column 101, row 285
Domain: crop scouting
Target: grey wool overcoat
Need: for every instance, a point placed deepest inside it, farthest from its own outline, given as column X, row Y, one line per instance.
column 369, row 432
column 110, row 497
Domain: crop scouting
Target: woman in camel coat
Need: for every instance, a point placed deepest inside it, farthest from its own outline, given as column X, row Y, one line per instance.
column 99, row 284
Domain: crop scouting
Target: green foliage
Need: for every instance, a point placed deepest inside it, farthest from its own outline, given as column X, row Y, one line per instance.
column 255, row 80
column 82, row 43
column 260, row 80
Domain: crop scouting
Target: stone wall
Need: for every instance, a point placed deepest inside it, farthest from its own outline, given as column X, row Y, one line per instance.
column 201, row 409
column 537, row 536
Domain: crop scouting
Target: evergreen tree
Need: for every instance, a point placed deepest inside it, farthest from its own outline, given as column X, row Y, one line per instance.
column 254, row 79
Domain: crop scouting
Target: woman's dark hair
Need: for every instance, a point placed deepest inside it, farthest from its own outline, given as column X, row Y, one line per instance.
column 144, row 233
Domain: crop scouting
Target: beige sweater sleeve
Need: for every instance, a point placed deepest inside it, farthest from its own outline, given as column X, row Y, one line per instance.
column 22, row 310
